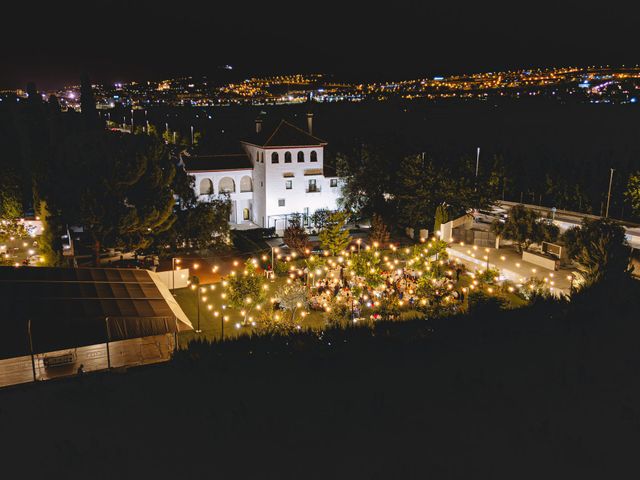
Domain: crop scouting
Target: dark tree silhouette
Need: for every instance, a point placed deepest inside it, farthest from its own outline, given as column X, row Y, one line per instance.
column 295, row 235
column 379, row 231
column 525, row 227
column 600, row 249
column 90, row 118
column 117, row 186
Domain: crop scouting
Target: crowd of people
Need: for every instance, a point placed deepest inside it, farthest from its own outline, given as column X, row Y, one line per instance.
column 401, row 285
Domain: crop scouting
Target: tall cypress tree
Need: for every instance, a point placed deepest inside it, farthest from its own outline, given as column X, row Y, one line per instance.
column 89, row 113
column 32, row 137
column 442, row 216
column 32, row 93
column 54, row 105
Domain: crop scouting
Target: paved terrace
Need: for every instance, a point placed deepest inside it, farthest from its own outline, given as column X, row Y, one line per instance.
column 510, row 264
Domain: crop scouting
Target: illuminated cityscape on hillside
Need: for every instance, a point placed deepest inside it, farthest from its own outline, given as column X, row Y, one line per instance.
column 568, row 84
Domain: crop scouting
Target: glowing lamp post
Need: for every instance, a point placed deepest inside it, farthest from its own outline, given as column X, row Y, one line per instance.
column 195, row 285
column 174, row 262
column 195, row 288
column 222, row 319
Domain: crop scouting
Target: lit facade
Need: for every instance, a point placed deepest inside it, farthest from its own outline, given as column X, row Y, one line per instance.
column 279, row 173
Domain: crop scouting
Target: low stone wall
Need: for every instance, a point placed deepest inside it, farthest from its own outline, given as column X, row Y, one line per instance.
column 540, row 260
column 446, row 229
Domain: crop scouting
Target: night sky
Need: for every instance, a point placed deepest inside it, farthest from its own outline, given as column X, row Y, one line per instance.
column 116, row 41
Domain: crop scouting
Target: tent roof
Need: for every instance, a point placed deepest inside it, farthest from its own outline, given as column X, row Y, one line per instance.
column 72, row 305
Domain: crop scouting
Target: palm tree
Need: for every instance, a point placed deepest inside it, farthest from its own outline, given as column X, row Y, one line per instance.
column 600, row 249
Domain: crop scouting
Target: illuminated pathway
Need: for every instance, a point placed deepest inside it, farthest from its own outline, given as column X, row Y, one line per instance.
column 511, row 265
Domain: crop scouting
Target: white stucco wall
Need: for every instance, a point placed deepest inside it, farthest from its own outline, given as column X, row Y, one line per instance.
column 269, row 185
column 255, row 154
column 240, row 200
column 271, row 178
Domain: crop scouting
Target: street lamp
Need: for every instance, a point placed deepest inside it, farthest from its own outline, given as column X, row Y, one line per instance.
column 195, row 285
column 217, row 314
column 199, row 300
column 609, row 194
column 174, row 261
column 198, row 308
column 195, row 288
column 273, row 264
column 358, row 241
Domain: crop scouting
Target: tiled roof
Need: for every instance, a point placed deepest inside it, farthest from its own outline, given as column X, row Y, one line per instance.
column 207, row 163
column 285, row 135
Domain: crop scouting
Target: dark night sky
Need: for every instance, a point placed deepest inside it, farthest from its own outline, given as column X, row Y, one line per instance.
column 118, row 41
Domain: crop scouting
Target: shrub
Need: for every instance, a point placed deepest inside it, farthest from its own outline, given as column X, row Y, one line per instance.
column 484, row 304
column 488, row 276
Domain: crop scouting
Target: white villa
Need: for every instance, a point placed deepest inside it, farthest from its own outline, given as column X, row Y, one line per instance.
column 278, row 173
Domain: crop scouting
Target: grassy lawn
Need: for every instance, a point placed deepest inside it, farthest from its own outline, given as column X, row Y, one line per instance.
column 211, row 326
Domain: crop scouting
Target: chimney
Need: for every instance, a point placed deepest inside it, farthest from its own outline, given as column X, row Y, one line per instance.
column 310, row 123
column 258, row 125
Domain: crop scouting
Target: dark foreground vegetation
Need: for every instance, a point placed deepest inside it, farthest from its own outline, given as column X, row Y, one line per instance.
column 547, row 391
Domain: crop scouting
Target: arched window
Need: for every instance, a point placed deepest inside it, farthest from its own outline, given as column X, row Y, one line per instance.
column 287, row 157
column 246, row 214
column 314, row 156
column 300, row 156
column 206, row 187
column 274, row 157
column 246, row 184
column 226, row 185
